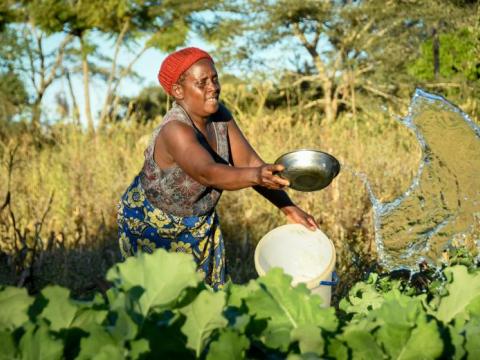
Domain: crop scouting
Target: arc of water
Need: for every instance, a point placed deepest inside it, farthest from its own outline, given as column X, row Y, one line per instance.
column 389, row 256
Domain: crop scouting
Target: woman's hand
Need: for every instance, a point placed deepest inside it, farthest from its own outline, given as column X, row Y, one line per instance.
column 266, row 176
column 298, row 216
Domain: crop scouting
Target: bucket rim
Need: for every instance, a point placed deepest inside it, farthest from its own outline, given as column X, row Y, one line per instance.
column 312, row 283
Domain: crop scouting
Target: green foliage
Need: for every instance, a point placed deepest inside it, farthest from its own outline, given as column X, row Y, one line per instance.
column 14, row 304
column 80, row 24
column 59, row 311
column 169, row 38
column 148, row 281
column 55, row 16
column 350, row 52
column 39, row 342
column 458, row 297
column 230, row 345
column 99, row 342
column 9, row 350
column 7, row 14
column 401, row 321
column 363, row 297
column 457, row 57
column 284, row 310
column 266, row 316
column 204, row 316
column 13, row 91
column 148, row 105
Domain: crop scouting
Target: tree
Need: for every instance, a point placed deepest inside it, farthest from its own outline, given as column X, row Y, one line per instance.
column 150, row 103
column 160, row 24
column 457, row 58
column 23, row 52
column 164, row 26
column 13, row 96
column 352, row 46
column 7, row 15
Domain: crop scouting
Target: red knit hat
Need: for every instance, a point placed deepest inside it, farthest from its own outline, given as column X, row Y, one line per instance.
column 177, row 63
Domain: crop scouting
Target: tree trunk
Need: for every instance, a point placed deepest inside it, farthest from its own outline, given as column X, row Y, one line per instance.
column 436, row 53
column 76, row 112
column 86, row 88
column 329, row 107
column 45, row 73
column 109, row 95
column 36, row 113
column 37, row 108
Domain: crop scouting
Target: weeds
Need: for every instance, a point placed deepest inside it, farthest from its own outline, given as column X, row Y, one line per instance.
column 73, row 232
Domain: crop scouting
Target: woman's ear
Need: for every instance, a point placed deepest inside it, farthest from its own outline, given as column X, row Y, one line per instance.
column 177, row 91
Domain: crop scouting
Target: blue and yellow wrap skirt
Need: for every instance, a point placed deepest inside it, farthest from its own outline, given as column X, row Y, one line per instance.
column 143, row 227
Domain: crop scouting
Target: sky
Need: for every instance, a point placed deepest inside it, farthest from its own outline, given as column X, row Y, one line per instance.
column 146, row 67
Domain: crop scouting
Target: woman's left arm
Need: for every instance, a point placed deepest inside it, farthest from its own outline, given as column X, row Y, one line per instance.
column 243, row 155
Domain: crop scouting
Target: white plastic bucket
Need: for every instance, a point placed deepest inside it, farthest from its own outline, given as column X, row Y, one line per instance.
column 308, row 256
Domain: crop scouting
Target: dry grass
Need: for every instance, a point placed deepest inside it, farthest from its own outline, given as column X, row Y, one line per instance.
column 87, row 174
column 377, row 146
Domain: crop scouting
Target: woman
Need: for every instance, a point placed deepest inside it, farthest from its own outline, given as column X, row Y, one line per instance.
column 195, row 153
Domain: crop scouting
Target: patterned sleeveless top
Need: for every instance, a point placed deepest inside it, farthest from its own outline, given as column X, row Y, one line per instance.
column 174, row 191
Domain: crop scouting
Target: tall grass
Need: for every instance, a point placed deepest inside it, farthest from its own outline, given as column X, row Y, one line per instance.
column 84, row 175
column 375, row 145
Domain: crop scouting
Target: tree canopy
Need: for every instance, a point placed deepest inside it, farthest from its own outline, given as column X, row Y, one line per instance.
column 346, row 55
column 355, row 48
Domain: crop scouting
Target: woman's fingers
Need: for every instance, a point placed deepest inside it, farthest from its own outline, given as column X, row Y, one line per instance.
column 269, row 177
column 312, row 224
column 308, row 222
column 297, row 215
column 276, row 167
column 311, row 221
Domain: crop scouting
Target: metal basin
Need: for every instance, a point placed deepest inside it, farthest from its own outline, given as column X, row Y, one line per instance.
column 308, row 170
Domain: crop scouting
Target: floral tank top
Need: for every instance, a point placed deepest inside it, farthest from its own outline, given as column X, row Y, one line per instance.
column 171, row 189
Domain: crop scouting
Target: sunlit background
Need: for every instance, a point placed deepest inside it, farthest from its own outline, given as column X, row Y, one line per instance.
column 79, row 99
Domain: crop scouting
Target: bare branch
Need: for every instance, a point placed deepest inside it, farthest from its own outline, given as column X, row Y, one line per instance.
column 76, row 111
column 339, row 89
column 383, row 94
column 46, row 211
column 11, row 162
column 311, row 48
column 303, row 39
column 380, row 33
column 443, row 85
column 113, row 69
column 6, row 202
column 338, row 60
column 314, row 103
column 316, row 39
column 362, row 31
column 58, row 60
column 38, row 40
column 31, row 58
column 124, row 73
column 363, row 70
column 305, row 78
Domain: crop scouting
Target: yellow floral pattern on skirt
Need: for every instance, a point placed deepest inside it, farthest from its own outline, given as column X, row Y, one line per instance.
column 143, row 227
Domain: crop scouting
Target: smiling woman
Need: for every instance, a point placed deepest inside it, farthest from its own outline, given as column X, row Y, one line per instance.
column 195, row 152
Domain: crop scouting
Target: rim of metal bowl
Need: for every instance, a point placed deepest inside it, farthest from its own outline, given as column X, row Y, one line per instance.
column 332, row 158
column 310, row 150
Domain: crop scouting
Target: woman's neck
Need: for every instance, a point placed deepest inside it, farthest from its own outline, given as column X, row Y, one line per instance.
column 198, row 121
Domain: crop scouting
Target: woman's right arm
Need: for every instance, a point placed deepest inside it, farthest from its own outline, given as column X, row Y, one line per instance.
column 181, row 145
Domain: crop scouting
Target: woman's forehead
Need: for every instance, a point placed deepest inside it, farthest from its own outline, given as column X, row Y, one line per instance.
column 202, row 68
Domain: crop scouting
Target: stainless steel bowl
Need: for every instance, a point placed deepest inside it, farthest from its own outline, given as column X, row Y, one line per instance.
column 308, row 170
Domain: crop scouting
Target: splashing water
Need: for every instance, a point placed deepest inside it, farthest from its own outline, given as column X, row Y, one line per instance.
column 443, row 201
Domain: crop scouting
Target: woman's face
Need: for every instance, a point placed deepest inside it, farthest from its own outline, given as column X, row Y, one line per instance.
column 201, row 88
